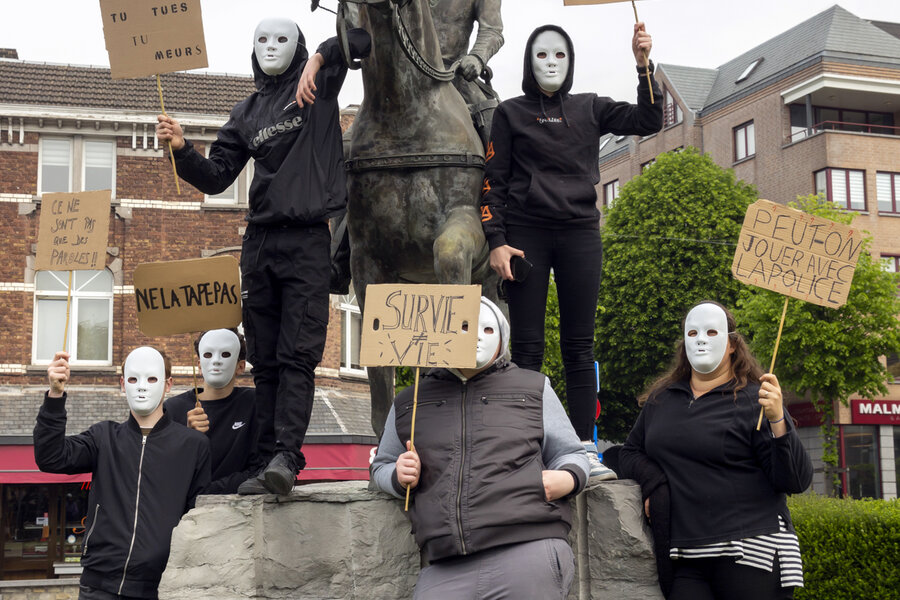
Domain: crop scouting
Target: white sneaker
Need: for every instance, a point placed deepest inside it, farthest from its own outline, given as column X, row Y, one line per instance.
column 599, row 472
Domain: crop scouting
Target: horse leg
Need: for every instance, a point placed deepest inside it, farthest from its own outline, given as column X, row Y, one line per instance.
column 459, row 241
column 381, row 379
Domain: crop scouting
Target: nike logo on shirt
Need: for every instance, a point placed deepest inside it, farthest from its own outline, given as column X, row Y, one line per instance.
column 238, row 425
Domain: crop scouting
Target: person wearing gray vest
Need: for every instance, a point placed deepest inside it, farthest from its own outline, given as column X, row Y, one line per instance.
column 495, row 462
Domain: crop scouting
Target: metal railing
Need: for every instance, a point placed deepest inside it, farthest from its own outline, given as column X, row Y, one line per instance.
column 844, row 126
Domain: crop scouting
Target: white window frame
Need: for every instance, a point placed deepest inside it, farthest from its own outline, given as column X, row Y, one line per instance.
column 71, row 142
column 349, row 308
column 614, row 186
column 744, row 137
column 77, row 162
column 72, row 338
column 887, row 190
column 828, row 176
column 112, row 142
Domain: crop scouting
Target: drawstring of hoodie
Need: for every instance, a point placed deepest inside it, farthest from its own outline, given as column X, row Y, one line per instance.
column 562, row 110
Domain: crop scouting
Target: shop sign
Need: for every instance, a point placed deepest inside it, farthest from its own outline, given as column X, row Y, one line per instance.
column 875, row 412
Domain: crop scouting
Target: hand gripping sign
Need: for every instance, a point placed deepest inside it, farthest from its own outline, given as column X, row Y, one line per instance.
column 798, row 255
column 148, row 38
column 420, row 326
column 636, row 20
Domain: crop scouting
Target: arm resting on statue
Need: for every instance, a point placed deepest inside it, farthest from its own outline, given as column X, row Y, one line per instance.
column 331, row 77
column 560, row 449
column 497, row 172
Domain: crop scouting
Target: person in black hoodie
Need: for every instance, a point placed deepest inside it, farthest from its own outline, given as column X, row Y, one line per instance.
column 291, row 127
column 539, row 203
column 731, row 534
column 145, row 474
column 226, row 414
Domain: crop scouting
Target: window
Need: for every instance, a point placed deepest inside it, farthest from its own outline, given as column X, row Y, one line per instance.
column 56, row 165
column 844, row 187
column 860, row 454
column 749, row 70
column 351, row 335
column 887, row 188
column 610, row 193
column 890, row 263
column 647, row 165
column 90, row 316
column 76, row 164
column 744, row 141
column 99, row 165
column 604, row 143
column 672, row 114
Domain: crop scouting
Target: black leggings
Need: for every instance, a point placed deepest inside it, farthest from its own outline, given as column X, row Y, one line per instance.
column 724, row 579
column 576, row 257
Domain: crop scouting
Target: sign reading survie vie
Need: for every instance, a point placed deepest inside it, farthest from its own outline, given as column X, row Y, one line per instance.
column 420, row 325
column 73, row 231
column 183, row 296
column 148, row 37
column 796, row 254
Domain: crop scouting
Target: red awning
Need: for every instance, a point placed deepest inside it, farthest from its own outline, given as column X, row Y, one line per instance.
column 17, row 466
column 324, row 462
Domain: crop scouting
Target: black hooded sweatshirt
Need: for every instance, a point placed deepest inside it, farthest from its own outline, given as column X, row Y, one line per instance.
column 542, row 162
column 299, row 170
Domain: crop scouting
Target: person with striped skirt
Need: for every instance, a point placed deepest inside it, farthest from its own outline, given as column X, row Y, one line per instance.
column 731, row 531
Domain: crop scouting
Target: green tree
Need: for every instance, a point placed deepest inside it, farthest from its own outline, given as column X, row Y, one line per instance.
column 826, row 353
column 669, row 242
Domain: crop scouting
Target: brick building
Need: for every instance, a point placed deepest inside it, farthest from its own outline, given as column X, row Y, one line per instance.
column 815, row 109
column 70, row 128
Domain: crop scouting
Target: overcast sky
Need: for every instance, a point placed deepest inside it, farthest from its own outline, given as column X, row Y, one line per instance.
column 698, row 33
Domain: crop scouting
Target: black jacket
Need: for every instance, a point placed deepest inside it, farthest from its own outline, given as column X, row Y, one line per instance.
column 140, row 488
column 727, row 481
column 299, row 163
column 542, row 162
column 233, row 434
column 483, row 446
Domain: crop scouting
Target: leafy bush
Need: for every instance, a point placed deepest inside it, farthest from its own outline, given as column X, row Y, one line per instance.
column 850, row 548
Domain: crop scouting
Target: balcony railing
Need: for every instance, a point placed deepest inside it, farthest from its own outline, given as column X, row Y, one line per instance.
column 843, row 126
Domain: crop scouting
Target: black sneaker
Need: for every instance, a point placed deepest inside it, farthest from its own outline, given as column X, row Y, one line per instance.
column 281, row 474
column 253, row 485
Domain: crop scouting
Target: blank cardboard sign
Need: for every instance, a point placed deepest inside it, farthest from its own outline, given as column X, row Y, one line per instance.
column 73, row 231
column 420, row 325
column 796, row 254
column 147, row 38
column 184, row 296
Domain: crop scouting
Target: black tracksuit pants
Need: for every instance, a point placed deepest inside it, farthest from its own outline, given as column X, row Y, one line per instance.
column 285, row 272
column 576, row 257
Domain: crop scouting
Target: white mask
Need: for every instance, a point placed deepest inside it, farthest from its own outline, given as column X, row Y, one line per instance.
column 219, row 351
column 550, row 60
column 488, row 337
column 145, row 380
column 706, row 337
column 274, row 43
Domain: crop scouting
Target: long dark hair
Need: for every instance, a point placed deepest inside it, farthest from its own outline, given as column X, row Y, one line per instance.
column 744, row 366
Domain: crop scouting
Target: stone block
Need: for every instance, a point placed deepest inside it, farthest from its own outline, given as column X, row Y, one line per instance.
column 340, row 541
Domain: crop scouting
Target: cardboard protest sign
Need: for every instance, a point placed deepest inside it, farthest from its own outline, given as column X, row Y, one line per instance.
column 420, row 325
column 183, row 296
column 147, row 38
column 73, row 231
column 796, row 254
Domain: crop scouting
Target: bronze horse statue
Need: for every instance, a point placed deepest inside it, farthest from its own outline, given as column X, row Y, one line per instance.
column 415, row 169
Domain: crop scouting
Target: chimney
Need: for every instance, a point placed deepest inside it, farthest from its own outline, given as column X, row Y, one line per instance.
column 9, row 53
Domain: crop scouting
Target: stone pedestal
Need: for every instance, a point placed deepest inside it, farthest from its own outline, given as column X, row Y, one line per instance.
column 340, row 541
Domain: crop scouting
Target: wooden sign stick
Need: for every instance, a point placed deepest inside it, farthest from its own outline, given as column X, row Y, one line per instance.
column 194, row 374
column 774, row 354
column 412, row 431
column 68, row 305
column 649, row 83
column 171, row 152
